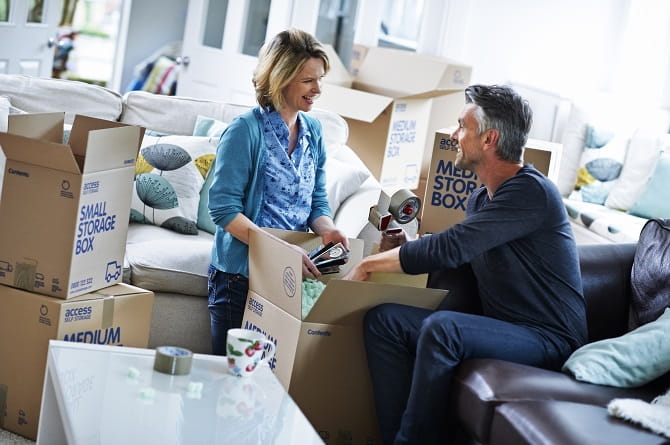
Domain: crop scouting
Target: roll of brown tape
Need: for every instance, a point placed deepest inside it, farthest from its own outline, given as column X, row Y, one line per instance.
column 173, row 360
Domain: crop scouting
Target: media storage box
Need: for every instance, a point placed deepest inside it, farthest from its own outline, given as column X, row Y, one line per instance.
column 321, row 360
column 449, row 187
column 65, row 207
column 396, row 103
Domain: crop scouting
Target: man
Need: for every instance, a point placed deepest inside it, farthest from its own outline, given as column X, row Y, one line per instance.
column 518, row 241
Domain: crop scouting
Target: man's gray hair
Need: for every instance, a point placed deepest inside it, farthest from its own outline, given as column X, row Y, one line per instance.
column 502, row 109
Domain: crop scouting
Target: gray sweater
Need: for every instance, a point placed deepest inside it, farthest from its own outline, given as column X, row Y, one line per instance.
column 522, row 251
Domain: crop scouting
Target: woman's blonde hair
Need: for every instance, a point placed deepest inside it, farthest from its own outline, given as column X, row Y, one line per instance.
column 280, row 60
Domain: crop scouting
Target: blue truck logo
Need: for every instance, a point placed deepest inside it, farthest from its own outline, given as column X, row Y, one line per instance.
column 113, row 271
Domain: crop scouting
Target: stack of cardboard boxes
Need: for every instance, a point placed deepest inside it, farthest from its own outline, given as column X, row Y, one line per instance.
column 64, row 213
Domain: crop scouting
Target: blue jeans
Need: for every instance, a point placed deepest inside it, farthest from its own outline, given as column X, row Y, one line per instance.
column 412, row 353
column 227, row 298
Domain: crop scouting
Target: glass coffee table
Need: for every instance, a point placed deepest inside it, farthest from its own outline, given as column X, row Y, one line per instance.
column 97, row 394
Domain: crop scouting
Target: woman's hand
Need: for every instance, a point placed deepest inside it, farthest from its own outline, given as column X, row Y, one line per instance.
column 335, row 236
column 309, row 270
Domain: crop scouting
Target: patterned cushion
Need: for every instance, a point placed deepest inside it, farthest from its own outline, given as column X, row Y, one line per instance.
column 169, row 176
column 600, row 166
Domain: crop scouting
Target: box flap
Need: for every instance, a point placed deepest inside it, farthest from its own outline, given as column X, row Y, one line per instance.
column 275, row 269
column 43, row 126
column 338, row 74
column 102, row 145
column 431, row 94
column 353, row 104
column 37, row 152
column 345, row 302
column 406, row 73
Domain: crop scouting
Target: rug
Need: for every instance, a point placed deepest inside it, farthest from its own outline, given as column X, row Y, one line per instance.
column 7, row 438
column 654, row 416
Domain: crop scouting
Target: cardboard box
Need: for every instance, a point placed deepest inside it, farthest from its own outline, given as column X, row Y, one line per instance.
column 321, row 360
column 116, row 315
column 448, row 187
column 64, row 209
column 396, row 103
column 358, row 53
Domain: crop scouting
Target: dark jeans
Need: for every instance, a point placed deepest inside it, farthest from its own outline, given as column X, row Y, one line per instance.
column 227, row 297
column 412, row 353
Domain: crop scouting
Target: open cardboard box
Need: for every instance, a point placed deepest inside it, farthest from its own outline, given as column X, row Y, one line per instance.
column 396, row 102
column 116, row 315
column 321, row 360
column 449, row 187
column 65, row 207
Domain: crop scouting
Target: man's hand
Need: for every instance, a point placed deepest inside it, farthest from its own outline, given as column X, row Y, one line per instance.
column 392, row 238
column 388, row 261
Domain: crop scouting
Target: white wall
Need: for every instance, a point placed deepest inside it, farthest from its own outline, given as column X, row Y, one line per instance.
column 574, row 48
column 553, row 45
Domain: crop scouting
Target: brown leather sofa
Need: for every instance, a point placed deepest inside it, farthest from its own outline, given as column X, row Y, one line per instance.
column 498, row 402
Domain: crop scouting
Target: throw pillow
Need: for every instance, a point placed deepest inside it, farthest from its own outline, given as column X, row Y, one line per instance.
column 213, row 128
column 644, row 151
column 342, row 180
column 599, row 168
column 654, row 202
column 650, row 281
column 208, row 126
column 573, row 140
column 631, row 360
column 169, row 175
column 205, row 221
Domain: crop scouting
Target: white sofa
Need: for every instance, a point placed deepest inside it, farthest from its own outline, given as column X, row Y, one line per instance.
column 622, row 181
column 171, row 264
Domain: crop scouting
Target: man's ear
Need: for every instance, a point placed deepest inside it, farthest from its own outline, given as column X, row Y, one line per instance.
column 491, row 137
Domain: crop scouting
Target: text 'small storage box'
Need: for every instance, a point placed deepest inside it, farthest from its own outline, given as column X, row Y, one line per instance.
column 396, row 103
column 64, row 208
column 116, row 315
column 449, row 187
column 321, row 360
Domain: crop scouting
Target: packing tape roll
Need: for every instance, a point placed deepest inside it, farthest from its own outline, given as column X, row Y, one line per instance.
column 173, row 360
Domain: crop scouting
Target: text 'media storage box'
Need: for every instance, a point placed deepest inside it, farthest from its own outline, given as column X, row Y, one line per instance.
column 397, row 101
column 449, row 187
column 64, row 208
column 321, row 360
column 116, row 315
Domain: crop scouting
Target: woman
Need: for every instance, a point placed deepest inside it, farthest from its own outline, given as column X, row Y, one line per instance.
column 269, row 172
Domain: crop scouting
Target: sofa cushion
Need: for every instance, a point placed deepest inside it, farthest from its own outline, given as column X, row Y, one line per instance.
column 650, row 286
column 72, row 97
column 643, row 152
column 479, row 386
column 631, row 360
column 170, row 172
column 559, row 422
column 613, row 225
column 166, row 261
column 148, row 110
column 654, row 202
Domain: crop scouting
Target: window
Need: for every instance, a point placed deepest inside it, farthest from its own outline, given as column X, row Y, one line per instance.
column 215, row 23
column 256, row 27
column 335, row 26
column 35, row 11
column 4, row 10
column 401, row 24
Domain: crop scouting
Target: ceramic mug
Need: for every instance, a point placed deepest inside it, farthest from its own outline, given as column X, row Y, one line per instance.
column 245, row 349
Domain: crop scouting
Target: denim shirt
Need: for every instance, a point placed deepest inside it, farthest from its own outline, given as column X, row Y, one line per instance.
column 289, row 180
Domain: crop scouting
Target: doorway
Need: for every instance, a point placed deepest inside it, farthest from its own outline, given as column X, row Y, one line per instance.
column 86, row 42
